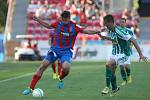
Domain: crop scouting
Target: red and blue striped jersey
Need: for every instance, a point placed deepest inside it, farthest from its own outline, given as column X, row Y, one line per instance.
column 64, row 36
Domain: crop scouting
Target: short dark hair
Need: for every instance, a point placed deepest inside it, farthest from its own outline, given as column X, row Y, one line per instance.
column 124, row 19
column 109, row 18
column 65, row 14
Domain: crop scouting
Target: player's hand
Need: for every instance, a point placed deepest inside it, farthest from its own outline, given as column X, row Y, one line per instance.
column 35, row 18
column 145, row 59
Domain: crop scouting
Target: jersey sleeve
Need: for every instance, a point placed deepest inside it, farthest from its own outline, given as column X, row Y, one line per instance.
column 79, row 28
column 123, row 34
column 134, row 36
column 131, row 33
column 54, row 24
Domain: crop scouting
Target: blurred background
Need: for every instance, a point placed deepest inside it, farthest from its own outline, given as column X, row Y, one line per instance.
column 21, row 38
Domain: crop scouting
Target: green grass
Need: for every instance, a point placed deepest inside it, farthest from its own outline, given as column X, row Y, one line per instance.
column 85, row 82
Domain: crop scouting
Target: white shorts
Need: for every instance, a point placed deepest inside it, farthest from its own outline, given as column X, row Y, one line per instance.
column 121, row 59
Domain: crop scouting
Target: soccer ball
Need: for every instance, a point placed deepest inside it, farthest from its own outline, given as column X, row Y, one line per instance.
column 38, row 93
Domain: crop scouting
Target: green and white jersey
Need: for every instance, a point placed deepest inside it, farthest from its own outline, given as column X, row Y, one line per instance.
column 133, row 36
column 122, row 36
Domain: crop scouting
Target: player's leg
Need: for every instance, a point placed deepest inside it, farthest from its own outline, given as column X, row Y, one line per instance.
column 126, row 63
column 128, row 71
column 65, row 70
column 123, row 74
column 108, row 76
column 36, row 77
column 66, row 62
column 113, row 79
column 121, row 59
column 59, row 69
column 115, row 88
column 64, row 73
column 50, row 58
column 54, row 71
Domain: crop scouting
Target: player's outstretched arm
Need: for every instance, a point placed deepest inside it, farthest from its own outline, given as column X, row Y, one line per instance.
column 42, row 22
column 91, row 32
column 142, row 57
column 107, row 38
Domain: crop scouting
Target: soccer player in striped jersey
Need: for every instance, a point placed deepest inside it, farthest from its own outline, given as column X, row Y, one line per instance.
column 125, row 69
column 62, row 41
column 121, row 52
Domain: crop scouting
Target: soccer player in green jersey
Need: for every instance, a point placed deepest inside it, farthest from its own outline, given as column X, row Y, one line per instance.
column 121, row 52
column 125, row 69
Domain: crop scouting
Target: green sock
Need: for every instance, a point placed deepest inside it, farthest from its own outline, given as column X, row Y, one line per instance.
column 123, row 73
column 113, row 82
column 108, row 76
column 128, row 71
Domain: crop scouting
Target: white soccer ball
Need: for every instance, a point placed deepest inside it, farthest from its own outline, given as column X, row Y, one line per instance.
column 38, row 93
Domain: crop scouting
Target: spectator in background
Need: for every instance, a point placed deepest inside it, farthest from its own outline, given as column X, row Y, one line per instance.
column 32, row 6
column 36, row 51
column 41, row 12
column 89, row 11
column 75, row 17
column 126, row 13
column 53, row 11
column 132, row 20
column 34, row 47
column 135, row 16
column 136, row 29
column 83, row 10
column 101, row 16
column 29, row 44
column 135, row 5
column 83, row 18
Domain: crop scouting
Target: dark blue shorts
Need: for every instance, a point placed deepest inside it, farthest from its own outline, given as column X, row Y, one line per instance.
column 62, row 56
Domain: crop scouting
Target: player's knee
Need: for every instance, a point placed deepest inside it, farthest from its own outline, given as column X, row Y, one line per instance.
column 66, row 67
column 44, row 64
column 108, row 65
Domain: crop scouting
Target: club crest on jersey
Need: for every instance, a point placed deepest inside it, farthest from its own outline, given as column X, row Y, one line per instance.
column 65, row 33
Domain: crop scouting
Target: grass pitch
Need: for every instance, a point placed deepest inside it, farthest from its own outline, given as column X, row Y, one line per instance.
column 84, row 82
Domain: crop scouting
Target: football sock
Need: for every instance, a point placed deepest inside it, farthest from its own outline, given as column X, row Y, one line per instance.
column 123, row 74
column 113, row 82
column 61, row 76
column 34, row 80
column 128, row 71
column 108, row 76
column 54, row 67
column 59, row 68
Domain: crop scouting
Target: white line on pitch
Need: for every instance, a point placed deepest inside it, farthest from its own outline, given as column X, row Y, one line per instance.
column 17, row 77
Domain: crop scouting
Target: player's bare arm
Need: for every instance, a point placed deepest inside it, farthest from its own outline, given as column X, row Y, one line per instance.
column 47, row 25
column 107, row 38
column 142, row 57
column 91, row 32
